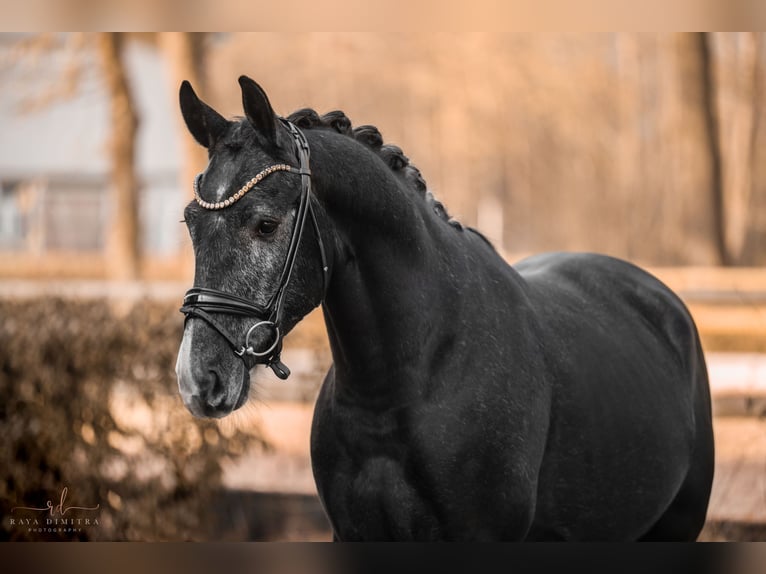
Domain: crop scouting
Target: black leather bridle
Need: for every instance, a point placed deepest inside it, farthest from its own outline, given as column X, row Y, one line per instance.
column 204, row 303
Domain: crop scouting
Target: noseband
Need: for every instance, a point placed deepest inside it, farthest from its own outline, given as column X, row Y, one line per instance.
column 204, row 303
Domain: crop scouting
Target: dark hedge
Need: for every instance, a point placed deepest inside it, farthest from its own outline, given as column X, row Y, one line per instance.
column 88, row 402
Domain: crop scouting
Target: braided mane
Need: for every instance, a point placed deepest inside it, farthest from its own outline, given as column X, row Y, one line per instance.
column 371, row 137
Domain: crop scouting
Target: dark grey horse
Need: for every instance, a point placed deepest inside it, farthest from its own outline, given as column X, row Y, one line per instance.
column 563, row 398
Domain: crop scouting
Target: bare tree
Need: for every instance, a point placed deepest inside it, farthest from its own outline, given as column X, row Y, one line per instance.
column 184, row 54
column 734, row 61
column 123, row 254
column 183, row 51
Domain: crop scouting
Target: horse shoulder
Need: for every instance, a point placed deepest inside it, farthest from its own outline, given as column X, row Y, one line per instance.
column 360, row 469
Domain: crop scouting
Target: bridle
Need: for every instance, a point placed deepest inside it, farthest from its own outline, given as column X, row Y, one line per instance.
column 204, row 303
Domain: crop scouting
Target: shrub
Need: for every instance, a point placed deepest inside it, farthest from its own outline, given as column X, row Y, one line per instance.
column 88, row 401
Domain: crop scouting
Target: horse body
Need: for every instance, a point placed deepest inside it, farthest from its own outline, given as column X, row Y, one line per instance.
column 630, row 415
column 561, row 398
column 559, row 387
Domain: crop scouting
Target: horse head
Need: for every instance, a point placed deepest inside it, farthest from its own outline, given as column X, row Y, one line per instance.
column 256, row 274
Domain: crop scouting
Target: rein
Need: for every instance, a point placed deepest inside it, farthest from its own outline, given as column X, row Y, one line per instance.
column 204, row 303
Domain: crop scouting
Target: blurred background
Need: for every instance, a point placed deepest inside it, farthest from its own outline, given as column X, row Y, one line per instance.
column 650, row 147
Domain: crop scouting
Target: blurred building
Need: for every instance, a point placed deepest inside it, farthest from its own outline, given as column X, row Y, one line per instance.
column 650, row 147
column 54, row 165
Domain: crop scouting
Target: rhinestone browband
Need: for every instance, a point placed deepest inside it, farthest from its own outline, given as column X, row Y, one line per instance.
column 243, row 190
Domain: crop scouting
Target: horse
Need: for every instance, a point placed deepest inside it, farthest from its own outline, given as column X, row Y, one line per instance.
column 563, row 397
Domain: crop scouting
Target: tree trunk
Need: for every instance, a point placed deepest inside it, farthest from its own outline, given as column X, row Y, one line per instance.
column 694, row 170
column 122, row 250
column 183, row 53
column 735, row 71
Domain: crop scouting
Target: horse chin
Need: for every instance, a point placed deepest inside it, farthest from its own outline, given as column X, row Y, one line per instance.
column 244, row 390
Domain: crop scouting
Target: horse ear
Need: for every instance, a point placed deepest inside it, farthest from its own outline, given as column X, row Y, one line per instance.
column 258, row 110
column 204, row 123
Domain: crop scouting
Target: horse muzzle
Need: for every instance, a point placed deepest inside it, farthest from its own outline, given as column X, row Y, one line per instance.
column 209, row 391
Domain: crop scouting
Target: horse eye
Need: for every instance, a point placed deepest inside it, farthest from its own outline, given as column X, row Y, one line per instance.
column 264, row 228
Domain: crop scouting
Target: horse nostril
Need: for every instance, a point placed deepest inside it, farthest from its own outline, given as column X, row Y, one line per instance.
column 207, row 392
column 213, row 390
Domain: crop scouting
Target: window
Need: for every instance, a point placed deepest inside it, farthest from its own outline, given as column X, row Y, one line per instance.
column 19, row 208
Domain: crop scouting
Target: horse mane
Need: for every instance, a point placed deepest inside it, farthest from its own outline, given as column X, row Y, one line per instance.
column 392, row 155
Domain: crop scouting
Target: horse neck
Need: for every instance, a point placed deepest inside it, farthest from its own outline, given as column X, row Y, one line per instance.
column 391, row 287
